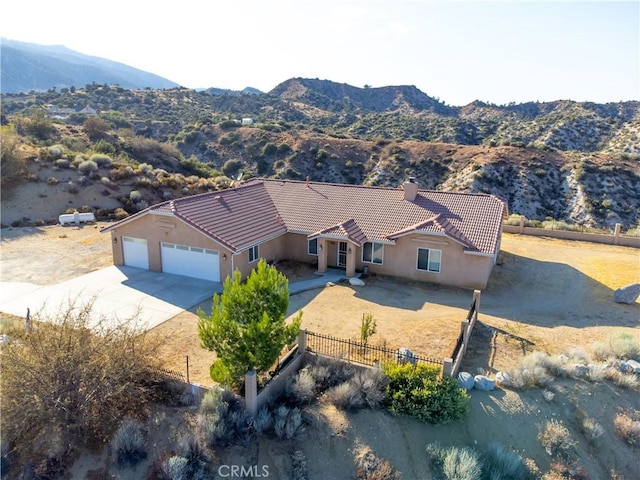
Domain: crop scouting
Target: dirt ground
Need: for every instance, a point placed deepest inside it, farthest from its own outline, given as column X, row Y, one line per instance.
column 544, row 294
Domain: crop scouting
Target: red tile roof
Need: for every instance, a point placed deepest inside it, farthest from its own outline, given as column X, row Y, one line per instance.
column 260, row 209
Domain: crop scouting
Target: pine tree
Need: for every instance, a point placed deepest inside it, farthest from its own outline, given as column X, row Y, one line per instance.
column 247, row 327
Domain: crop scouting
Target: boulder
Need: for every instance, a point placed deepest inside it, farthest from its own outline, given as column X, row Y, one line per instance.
column 484, row 383
column 580, row 371
column 503, row 378
column 465, row 380
column 407, row 356
column 630, row 366
column 356, row 282
column 628, row 294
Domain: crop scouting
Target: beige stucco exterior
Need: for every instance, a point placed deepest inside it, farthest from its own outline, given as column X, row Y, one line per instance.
column 458, row 268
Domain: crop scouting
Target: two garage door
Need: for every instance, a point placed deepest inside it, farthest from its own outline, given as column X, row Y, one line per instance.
column 178, row 259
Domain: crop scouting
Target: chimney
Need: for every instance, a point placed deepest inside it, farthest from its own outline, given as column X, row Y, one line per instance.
column 410, row 189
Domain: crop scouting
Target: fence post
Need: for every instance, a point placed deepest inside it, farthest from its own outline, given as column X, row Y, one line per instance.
column 521, row 226
column 616, row 234
column 302, row 342
column 447, row 367
column 476, row 301
column 251, row 393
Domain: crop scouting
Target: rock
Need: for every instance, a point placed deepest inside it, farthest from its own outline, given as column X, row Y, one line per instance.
column 632, row 366
column 484, row 383
column 356, row 282
column 548, row 395
column 580, row 371
column 465, row 380
column 4, row 339
column 503, row 378
column 628, row 294
column 406, row 356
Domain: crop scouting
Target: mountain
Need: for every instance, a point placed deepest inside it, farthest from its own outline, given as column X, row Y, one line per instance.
column 333, row 96
column 29, row 67
column 226, row 91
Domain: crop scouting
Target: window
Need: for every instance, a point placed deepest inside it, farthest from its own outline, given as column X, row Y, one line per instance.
column 372, row 252
column 312, row 247
column 253, row 253
column 429, row 260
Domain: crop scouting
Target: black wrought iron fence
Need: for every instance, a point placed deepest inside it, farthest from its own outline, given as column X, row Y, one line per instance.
column 352, row 350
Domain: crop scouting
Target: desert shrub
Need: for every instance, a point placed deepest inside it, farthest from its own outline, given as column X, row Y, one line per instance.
column 556, row 439
column 120, row 214
column 102, row 146
column 625, row 380
column 369, row 466
column 627, row 426
column 521, row 377
column 263, row 421
column 102, row 160
column 52, row 181
column 135, row 195
column 591, row 429
column 420, row 392
column 301, row 389
column 54, row 152
column 62, row 163
column 502, row 464
column 189, row 448
column 329, row 372
column 129, row 443
column 554, row 365
column 145, row 168
column 72, row 187
column 88, row 166
column 455, row 463
column 220, row 419
column 621, row 345
column 364, row 389
column 231, row 167
column 577, row 355
column 175, row 468
column 287, row 422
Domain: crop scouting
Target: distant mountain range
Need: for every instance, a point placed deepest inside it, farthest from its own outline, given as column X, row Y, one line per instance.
column 29, row 67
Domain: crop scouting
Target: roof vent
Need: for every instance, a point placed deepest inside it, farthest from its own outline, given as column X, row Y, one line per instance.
column 410, row 189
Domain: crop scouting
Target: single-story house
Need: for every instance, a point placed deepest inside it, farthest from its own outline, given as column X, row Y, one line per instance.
column 432, row 236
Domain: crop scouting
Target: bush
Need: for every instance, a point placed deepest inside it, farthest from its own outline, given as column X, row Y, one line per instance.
column 102, row 146
column 175, row 468
column 455, row 463
column 221, row 420
column 592, row 430
column 301, row 389
column 364, row 389
column 505, row 465
column 101, row 160
column 287, row 422
column 627, row 426
column 88, row 166
column 620, row 345
column 420, row 392
column 231, row 167
column 129, row 443
column 62, row 163
column 371, row 467
column 54, row 152
column 120, row 214
column 263, row 421
column 556, row 439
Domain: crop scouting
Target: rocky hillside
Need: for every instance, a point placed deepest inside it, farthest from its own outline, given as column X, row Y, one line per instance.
column 147, row 146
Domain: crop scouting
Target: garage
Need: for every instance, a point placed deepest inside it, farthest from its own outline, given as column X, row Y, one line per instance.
column 190, row 261
column 135, row 252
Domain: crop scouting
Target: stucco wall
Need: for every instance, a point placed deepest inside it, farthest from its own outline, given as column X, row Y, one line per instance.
column 400, row 260
column 160, row 228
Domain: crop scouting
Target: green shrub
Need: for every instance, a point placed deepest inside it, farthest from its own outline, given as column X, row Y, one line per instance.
column 287, row 422
column 62, row 163
column 102, row 146
column 101, row 160
column 54, row 152
column 301, row 389
column 88, row 166
column 231, row 167
column 269, row 149
column 420, row 391
column 120, row 214
column 627, row 426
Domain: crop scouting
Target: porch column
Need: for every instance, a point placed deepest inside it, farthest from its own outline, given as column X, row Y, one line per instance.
column 351, row 260
column 322, row 255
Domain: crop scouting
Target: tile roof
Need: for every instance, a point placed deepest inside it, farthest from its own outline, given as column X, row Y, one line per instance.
column 260, row 209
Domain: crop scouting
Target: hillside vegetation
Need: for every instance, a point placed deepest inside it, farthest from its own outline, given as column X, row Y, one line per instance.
column 577, row 162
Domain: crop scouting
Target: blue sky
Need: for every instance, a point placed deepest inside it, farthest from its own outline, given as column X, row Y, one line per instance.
column 458, row 51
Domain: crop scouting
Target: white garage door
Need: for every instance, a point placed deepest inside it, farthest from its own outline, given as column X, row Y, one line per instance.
column 191, row 261
column 135, row 252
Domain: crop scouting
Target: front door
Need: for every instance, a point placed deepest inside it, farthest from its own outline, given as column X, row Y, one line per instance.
column 342, row 254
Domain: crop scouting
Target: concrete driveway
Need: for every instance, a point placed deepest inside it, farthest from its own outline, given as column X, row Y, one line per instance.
column 120, row 292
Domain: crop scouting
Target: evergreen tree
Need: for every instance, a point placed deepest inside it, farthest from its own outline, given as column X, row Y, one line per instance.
column 247, row 327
